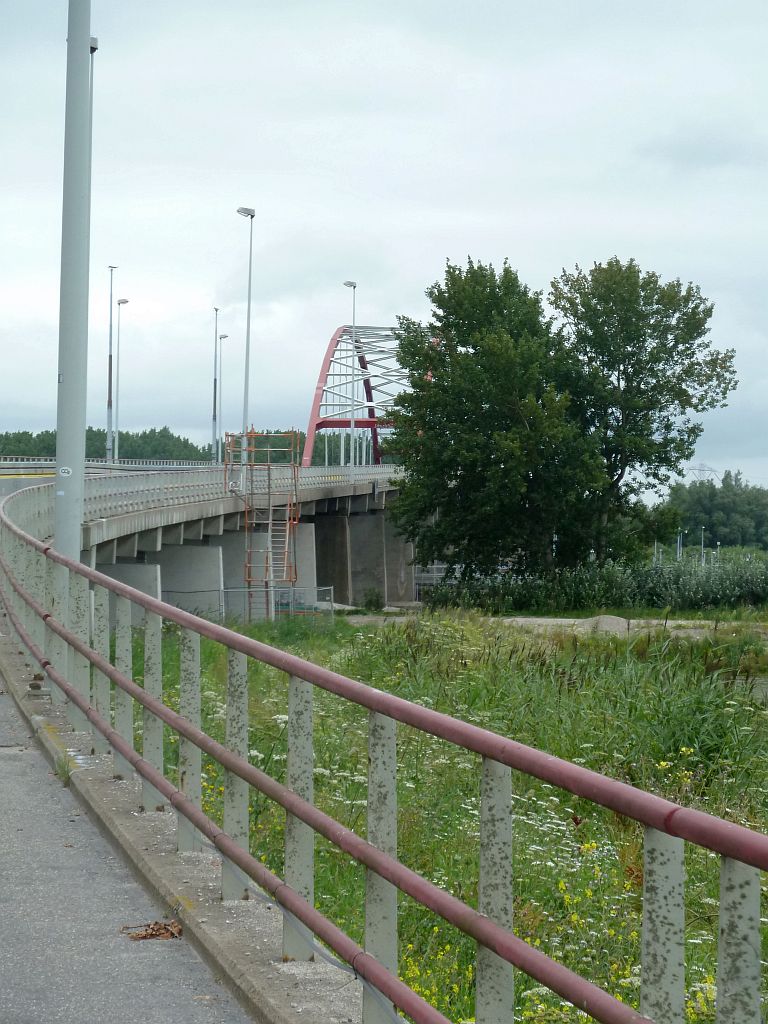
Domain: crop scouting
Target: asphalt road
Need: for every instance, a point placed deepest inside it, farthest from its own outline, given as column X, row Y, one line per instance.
column 64, row 896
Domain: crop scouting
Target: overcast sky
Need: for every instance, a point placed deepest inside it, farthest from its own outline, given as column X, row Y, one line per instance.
column 374, row 140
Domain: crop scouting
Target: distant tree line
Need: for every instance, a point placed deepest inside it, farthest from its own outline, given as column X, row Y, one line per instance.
column 162, row 443
column 143, row 444
column 733, row 513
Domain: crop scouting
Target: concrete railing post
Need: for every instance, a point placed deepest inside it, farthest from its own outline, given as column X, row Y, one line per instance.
column 123, row 664
column 187, row 837
column 152, row 726
column 662, row 992
column 495, row 995
column 739, row 944
column 80, row 625
column 23, row 573
column 37, row 588
column 101, row 684
column 380, row 895
column 58, row 603
column 234, row 884
column 299, row 837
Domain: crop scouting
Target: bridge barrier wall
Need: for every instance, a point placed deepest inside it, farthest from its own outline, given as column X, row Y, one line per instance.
column 59, row 610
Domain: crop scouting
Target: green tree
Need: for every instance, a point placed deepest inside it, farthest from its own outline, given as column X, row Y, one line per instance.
column 495, row 463
column 642, row 365
column 96, row 442
column 735, row 513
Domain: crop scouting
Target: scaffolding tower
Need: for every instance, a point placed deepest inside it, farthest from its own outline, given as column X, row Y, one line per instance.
column 262, row 470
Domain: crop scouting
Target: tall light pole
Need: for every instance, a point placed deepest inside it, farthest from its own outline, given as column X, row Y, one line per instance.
column 353, row 286
column 110, row 435
column 246, row 211
column 116, row 453
column 220, row 439
column 702, row 546
column 214, row 428
column 73, row 295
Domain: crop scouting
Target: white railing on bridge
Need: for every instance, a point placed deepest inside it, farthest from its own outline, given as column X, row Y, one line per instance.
column 116, row 495
column 345, row 473
column 47, row 462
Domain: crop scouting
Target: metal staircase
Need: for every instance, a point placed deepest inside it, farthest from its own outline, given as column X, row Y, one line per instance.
column 262, row 468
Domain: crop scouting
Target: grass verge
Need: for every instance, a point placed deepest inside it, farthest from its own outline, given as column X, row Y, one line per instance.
column 678, row 717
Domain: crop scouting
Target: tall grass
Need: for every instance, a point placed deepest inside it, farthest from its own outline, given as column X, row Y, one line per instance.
column 681, row 719
column 673, row 585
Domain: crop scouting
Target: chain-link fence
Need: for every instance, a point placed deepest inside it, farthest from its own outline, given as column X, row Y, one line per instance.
column 244, row 604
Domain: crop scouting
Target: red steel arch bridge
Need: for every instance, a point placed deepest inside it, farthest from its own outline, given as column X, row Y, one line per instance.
column 358, row 383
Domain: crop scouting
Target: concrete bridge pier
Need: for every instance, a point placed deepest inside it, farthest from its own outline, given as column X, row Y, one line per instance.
column 192, row 576
column 141, row 576
column 362, row 552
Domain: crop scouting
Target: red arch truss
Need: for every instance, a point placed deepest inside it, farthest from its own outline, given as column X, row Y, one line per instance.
column 358, row 383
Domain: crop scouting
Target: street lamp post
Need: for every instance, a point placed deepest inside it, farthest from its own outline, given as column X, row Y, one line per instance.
column 681, row 534
column 110, row 435
column 116, row 452
column 220, row 439
column 247, row 211
column 703, row 562
column 73, row 296
column 214, row 427
column 353, row 286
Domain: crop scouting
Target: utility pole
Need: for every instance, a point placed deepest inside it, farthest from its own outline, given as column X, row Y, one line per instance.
column 214, row 428
column 73, row 296
column 110, row 436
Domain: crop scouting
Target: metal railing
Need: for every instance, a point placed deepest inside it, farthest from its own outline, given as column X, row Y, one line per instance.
column 61, row 611
column 48, row 462
column 312, row 474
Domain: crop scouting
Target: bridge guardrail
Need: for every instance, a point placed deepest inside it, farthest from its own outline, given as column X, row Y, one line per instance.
column 135, row 492
column 49, row 600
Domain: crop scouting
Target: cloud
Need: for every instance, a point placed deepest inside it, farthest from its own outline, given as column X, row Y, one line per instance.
column 700, row 148
column 374, row 141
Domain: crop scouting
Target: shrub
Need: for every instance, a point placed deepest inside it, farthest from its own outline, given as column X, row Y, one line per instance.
column 673, row 586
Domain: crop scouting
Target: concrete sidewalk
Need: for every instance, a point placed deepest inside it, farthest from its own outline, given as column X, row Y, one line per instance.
column 66, row 891
column 64, row 896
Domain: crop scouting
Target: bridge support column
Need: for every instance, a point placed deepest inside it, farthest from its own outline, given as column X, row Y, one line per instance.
column 191, row 577
column 145, row 578
column 361, row 553
column 333, row 564
column 232, row 548
column 367, row 557
column 306, row 564
column 400, row 574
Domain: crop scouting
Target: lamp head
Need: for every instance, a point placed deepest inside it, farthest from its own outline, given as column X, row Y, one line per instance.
column 122, row 302
column 246, row 211
column 223, row 336
column 216, row 309
column 350, row 284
